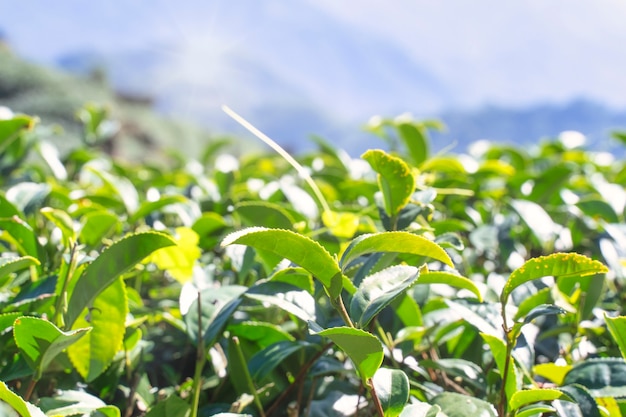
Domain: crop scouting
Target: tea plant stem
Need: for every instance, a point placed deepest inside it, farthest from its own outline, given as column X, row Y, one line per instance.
column 68, row 272
column 375, row 399
column 200, row 361
column 338, row 304
column 502, row 405
column 303, row 372
column 30, row 389
column 248, row 377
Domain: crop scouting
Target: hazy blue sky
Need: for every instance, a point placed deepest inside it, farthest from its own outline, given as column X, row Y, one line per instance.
column 346, row 59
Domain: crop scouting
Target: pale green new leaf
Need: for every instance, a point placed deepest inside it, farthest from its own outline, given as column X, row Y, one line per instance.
column 556, row 265
column 395, row 179
column 113, row 262
column 400, row 242
column 41, row 341
column 63, row 221
column 378, row 290
column 93, row 354
column 453, row 280
column 529, row 396
column 299, row 249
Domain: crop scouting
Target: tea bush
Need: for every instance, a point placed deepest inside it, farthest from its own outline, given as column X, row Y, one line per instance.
column 400, row 283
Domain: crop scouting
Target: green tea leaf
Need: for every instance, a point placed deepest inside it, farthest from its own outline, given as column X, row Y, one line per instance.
column 266, row 214
column 266, row 360
column 542, row 296
column 23, row 408
column 617, row 328
column 180, row 259
column 395, row 179
column 148, row 207
column 18, row 233
column 63, row 221
column 217, row 305
column 583, row 399
column 172, row 406
column 392, row 389
column 537, row 219
column 72, row 402
column 341, row 224
column 41, row 341
column 459, row 405
column 93, row 354
column 415, row 137
column 96, row 225
column 422, row 410
column 552, row 372
column 557, row 265
column 286, row 297
column 11, row 265
column 113, row 262
column 529, row 396
column 535, row 410
column 377, row 291
column 400, row 242
column 603, row 377
column 363, row 348
column 299, row 249
column 498, row 349
column 453, row 280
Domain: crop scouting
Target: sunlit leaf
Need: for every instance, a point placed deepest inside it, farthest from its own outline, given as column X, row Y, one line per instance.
column 297, row 248
column 93, row 354
column 23, row 408
column 395, row 179
column 180, row 259
column 341, row 224
column 400, row 242
column 557, row 265
column 41, row 341
column 529, row 396
column 363, row 348
column 113, row 262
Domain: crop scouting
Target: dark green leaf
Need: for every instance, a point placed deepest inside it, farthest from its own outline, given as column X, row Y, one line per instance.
column 266, row 360
column 217, row 306
column 603, row 377
column 583, row 400
column 392, row 389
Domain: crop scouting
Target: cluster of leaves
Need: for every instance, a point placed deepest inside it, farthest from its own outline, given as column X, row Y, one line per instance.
column 397, row 283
